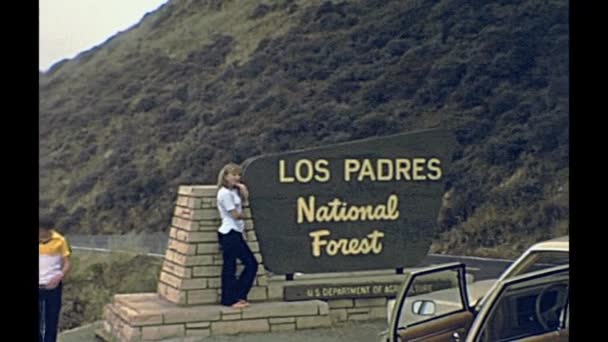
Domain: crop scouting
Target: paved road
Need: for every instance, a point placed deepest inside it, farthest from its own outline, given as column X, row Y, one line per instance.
column 481, row 268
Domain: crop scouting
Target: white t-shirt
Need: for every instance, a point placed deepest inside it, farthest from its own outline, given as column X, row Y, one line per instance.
column 228, row 200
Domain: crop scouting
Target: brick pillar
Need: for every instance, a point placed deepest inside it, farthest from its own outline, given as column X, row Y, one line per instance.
column 191, row 272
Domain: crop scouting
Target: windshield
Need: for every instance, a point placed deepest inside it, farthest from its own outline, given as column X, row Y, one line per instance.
column 539, row 260
column 530, row 262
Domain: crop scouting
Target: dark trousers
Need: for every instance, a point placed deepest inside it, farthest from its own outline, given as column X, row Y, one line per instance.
column 49, row 305
column 234, row 247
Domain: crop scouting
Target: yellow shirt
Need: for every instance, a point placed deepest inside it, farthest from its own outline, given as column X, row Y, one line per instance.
column 50, row 257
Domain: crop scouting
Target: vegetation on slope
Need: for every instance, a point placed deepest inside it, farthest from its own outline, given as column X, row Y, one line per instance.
column 199, row 83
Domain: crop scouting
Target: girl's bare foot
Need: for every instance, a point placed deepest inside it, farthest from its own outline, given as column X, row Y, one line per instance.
column 244, row 302
column 239, row 305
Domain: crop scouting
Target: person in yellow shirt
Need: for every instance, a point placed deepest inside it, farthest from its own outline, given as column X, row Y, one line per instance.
column 53, row 265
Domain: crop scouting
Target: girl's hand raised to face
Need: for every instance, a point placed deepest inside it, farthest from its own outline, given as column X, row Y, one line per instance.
column 244, row 192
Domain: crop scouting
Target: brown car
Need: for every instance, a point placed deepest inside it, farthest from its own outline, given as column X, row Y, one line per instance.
column 529, row 302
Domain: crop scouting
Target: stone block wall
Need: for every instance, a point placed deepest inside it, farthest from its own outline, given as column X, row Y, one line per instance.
column 191, row 271
column 147, row 317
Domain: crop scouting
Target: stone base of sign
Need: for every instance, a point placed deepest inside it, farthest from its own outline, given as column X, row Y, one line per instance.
column 149, row 317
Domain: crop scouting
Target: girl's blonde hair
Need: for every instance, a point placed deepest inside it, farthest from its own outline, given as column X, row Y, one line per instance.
column 228, row 168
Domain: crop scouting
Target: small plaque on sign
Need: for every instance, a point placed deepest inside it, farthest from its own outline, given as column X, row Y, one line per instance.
column 333, row 291
column 368, row 290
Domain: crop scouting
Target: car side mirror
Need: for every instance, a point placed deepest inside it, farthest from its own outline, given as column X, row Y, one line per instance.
column 424, row 308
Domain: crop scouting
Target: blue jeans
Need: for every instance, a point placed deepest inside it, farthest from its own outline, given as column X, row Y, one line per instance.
column 49, row 305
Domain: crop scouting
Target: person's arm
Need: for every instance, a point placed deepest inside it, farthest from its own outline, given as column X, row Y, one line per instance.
column 236, row 215
column 244, row 193
column 66, row 266
column 58, row 278
column 66, row 252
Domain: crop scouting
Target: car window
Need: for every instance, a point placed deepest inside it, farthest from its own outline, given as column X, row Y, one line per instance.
column 527, row 306
column 530, row 262
column 431, row 296
column 540, row 260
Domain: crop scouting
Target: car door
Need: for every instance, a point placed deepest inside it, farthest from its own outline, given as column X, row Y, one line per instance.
column 432, row 306
column 530, row 307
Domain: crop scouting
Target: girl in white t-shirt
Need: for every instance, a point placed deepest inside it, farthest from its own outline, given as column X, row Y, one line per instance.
column 231, row 196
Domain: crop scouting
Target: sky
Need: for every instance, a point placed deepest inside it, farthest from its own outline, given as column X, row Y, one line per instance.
column 68, row 27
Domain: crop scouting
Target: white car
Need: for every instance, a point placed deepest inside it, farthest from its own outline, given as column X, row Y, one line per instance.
column 421, row 312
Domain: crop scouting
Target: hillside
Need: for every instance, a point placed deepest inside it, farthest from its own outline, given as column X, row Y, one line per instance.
column 199, row 83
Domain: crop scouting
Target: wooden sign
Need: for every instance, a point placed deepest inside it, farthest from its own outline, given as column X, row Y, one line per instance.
column 363, row 205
